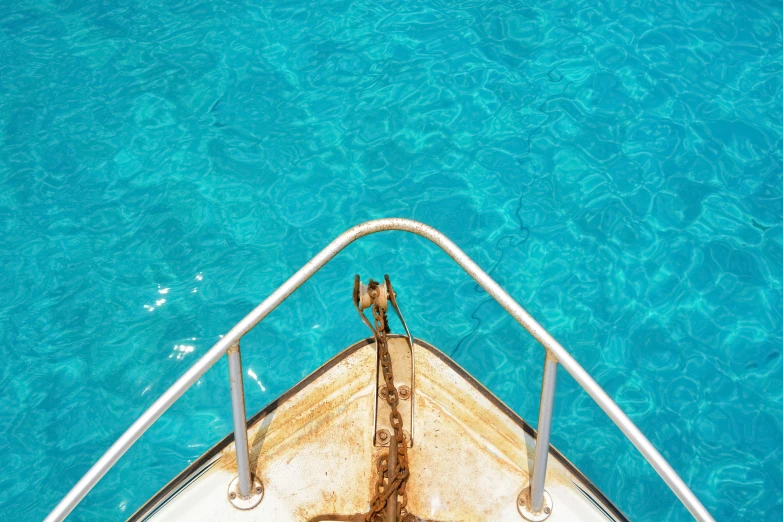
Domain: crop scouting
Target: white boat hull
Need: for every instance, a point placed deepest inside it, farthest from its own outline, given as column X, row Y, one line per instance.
column 313, row 449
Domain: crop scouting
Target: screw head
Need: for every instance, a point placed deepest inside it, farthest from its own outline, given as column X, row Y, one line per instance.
column 383, row 392
column 232, row 495
column 405, row 392
column 547, row 510
column 382, row 436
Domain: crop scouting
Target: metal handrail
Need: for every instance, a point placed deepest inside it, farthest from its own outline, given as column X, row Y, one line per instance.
column 554, row 349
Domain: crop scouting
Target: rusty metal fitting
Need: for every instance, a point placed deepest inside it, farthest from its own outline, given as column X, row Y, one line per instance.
column 383, row 392
column 366, row 295
column 404, row 392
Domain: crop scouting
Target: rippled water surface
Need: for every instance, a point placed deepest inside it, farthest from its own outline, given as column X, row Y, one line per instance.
column 165, row 165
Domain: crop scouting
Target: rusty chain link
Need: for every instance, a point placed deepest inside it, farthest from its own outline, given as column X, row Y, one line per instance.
column 390, row 482
column 390, row 485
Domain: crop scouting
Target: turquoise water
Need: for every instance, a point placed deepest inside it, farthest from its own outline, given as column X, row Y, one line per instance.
column 617, row 167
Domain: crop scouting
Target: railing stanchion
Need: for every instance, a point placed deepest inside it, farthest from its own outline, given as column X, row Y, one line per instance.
column 240, row 421
column 549, row 380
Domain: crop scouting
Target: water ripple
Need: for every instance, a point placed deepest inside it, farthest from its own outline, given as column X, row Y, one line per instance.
column 616, row 166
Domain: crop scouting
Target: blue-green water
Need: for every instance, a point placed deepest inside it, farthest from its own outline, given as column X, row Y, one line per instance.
column 165, row 166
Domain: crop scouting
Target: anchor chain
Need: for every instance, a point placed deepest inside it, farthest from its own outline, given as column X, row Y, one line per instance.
column 390, row 499
column 391, row 482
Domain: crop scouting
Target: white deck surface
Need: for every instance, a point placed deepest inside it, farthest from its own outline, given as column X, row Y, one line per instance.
column 315, row 456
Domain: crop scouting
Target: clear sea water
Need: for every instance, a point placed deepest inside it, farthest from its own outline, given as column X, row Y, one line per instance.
column 617, row 166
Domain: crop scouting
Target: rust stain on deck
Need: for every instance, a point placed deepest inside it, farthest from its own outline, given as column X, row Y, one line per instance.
column 314, row 451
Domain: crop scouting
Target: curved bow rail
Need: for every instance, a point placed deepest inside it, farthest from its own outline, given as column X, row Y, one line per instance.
column 555, row 354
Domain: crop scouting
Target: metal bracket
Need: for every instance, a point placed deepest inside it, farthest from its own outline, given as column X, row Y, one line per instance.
column 244, row 503
column 393, row 299
column 401, row 353
column 524, row 505
column 402, row 362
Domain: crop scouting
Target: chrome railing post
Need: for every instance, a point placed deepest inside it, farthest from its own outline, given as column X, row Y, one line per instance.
column 538, row 477
column 240, row 421
column 245, row 491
